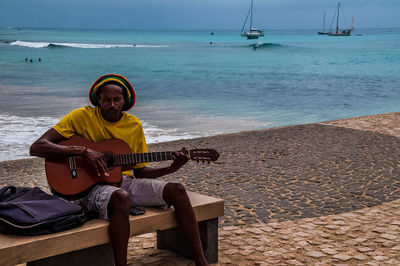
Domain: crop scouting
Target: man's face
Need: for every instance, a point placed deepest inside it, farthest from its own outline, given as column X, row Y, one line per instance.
column 111, row 102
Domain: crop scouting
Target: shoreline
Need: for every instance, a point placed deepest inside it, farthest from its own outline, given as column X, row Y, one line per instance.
column 367, row 123
column 28, row 129
column 324, row 192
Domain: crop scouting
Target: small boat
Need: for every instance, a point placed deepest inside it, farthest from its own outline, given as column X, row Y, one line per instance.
column 323, row 32
column 253, row 33
column 339, row 32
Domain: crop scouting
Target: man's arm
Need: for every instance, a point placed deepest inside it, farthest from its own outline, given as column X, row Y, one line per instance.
column 47, row 147
column 179, row 158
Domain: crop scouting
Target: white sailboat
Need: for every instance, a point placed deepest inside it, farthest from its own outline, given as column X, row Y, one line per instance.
column 323, row 32
column 253, row 33
column 339, row 32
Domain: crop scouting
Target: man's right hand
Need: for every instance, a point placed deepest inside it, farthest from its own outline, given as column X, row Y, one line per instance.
column 97, row 160
column 47, row 147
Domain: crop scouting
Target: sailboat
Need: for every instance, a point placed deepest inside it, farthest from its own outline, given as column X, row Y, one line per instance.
column 253, row 33
column 323, row 32
column 341, row 32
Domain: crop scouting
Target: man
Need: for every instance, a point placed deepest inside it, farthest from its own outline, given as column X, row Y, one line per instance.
column 112, row 95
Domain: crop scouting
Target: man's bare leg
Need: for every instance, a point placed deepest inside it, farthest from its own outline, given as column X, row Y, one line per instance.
column 175, row 194
column 119, row 227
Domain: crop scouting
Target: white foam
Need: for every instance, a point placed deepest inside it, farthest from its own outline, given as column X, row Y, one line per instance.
column 155, row 134
column 30, row 44
column 84, row 45
column 18, row 133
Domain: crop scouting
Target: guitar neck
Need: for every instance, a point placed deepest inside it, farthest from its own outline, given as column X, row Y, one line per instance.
column 131, row 159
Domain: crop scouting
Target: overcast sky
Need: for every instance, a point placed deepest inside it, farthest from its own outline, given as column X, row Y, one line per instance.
column 193, row 14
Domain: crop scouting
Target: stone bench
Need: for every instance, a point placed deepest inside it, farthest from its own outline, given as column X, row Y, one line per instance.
column 90, row 244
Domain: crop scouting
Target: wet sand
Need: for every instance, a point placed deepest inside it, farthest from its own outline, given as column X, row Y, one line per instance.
column 318, row 193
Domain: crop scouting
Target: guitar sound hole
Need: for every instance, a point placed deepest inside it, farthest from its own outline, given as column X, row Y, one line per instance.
column 109, row 159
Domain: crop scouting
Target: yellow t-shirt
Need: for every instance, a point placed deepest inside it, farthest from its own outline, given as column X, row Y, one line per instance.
column 88, row 123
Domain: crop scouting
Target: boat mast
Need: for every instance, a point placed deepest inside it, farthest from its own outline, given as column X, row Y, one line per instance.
column 323, row 25
column 245, row 21
column 251, row 16
column 337, row 20
column 352, row 24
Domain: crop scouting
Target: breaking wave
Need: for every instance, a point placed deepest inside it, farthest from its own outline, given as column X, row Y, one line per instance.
column 82, row 45
column 265, row 45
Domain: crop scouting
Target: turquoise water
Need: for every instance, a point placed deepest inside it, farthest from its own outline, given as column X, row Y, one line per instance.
column 187, row 87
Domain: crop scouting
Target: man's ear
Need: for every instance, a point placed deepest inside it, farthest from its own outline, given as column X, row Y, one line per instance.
column 98, row 96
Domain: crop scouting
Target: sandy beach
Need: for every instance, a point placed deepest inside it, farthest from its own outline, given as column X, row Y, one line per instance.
column 316, row 194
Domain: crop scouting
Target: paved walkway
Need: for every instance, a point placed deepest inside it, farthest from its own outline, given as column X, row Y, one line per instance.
column 369, row 236
column 318, row 194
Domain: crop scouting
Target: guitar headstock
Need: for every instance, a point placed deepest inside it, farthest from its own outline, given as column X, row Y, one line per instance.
column 204, row 155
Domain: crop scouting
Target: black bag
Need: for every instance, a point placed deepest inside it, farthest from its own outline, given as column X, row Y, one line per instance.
column 31, row 211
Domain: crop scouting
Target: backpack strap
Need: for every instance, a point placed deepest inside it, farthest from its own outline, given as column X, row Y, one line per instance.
column 5, row 189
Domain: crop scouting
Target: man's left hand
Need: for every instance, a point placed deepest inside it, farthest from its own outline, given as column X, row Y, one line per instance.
column 180, row 159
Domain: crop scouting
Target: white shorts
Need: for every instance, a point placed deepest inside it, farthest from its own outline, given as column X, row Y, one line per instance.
column 143, row 192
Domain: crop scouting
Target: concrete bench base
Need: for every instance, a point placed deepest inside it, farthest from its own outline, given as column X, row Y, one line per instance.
column 173, row 240
column 101, row 255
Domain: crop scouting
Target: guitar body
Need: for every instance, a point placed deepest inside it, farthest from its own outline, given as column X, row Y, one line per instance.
column 61, row 177
column 72, row 177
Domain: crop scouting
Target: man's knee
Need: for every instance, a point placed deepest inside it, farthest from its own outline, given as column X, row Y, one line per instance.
column 174, row 193
column 120, row 202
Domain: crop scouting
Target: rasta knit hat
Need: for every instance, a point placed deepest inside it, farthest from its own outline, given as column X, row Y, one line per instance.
column 116, row 79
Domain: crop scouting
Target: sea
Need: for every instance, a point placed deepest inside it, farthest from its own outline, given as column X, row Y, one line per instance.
column 194, row 83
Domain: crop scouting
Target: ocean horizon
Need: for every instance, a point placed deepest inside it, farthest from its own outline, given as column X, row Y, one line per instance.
column 191, row 83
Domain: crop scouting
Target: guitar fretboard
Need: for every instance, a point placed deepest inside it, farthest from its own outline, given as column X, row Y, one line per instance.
column 121, row 159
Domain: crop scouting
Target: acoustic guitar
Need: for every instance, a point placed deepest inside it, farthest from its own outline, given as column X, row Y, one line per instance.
column 72, row 177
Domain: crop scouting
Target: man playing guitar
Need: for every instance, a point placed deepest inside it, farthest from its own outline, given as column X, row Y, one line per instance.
column 112, row 95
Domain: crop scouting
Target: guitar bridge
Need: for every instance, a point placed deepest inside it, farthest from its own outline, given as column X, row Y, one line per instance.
column 72, row 166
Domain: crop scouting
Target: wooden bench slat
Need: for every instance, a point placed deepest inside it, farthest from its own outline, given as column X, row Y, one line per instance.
column 19, row 249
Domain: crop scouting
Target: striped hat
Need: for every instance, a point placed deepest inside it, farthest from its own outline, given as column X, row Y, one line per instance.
column 120, row 80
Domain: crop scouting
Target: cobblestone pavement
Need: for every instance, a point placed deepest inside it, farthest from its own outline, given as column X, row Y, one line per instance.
column 312, row 194
column 370, row 236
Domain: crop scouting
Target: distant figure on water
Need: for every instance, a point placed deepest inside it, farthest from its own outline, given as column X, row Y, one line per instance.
column 26, row 59
column 256, row 45
column 40, row 60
